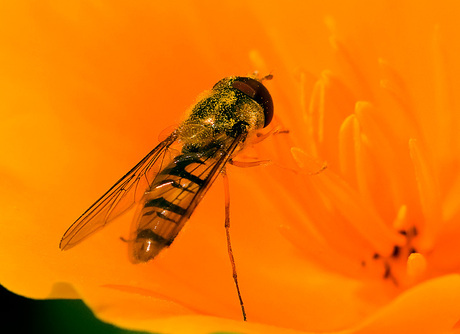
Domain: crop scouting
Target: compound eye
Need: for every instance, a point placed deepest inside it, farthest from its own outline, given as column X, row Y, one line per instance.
column 255, row 90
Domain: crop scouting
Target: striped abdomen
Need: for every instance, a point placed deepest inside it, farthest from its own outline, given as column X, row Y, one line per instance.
column 165, row 204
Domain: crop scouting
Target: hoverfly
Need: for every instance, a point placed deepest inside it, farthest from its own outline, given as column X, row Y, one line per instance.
column 170, row 181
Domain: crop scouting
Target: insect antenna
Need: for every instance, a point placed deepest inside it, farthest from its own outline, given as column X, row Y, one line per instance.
column 229, row 244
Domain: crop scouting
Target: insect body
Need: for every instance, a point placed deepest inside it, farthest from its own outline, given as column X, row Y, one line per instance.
column 172, row 179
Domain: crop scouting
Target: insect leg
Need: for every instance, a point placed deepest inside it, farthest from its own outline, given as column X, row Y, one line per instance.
column 262, row 136
column 229, row 244
column 248, row 164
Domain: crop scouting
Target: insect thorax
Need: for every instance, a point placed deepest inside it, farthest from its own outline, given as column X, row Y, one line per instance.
column 212, row 120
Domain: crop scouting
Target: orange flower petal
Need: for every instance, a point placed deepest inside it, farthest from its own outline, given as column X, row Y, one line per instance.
column 88, row 87
column 431, row 307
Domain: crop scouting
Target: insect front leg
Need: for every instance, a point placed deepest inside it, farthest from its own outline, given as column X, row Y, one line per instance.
column 247, row 164
column 259, row 137
column 277, row 130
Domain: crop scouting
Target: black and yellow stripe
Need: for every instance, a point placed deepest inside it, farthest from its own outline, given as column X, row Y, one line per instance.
column 170, row 194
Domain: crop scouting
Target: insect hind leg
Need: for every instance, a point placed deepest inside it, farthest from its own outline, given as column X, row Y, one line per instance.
column 229, row 244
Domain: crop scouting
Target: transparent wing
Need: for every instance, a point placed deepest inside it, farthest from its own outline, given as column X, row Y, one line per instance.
column 214, row 170
column 179, row 188
column 174, row 195
column 120, row 197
